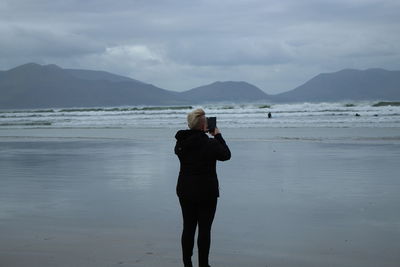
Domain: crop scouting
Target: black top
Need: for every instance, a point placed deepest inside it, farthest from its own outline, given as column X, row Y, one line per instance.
column 198, row 155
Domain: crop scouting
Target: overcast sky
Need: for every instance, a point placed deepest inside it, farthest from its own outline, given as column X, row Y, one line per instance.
column 182, row 44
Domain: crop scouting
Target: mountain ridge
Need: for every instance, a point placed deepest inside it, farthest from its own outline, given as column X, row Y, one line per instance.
column 347, row 84
column 225, row 91
column 33, row 85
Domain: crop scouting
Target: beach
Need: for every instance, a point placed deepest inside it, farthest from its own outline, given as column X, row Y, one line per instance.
column 289, row 197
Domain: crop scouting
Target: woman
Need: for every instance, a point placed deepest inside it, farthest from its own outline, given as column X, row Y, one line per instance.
column 197, row 186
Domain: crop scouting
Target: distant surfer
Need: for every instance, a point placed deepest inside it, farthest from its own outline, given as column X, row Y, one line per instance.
column 358, row 115
column 269, row 115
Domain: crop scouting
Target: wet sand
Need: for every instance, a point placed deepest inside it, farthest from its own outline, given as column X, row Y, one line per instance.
column 289, row 197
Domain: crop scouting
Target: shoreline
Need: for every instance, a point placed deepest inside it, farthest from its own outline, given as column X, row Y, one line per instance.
column 390, row 135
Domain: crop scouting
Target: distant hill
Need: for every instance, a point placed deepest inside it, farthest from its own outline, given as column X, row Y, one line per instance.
column 37, row 86
column 93, row 75
column 225, row 91
column 348, row 84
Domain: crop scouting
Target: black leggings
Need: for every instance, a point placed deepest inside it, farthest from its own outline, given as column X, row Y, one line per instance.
column 197, row 213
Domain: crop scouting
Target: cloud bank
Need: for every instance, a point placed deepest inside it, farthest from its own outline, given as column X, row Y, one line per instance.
column 178, row 45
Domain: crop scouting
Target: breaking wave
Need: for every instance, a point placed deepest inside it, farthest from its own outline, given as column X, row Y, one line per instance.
column 357, row 114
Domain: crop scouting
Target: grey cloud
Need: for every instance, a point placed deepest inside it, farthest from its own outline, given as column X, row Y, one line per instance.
column 229, row 51
column 27, row 41
column 161, row 41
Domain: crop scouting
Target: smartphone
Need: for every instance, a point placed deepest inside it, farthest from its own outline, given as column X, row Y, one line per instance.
column 211, row 123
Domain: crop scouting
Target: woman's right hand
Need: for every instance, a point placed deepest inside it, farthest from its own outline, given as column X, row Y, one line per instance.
column 216, row 131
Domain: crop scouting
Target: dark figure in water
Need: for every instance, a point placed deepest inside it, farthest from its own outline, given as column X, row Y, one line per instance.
column 358, row 115
column 269, row 115
column 197, row 186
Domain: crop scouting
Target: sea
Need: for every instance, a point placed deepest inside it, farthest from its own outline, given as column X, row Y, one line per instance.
column 359, row 114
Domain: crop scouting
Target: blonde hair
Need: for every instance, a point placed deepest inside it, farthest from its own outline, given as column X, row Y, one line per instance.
column 194, row 118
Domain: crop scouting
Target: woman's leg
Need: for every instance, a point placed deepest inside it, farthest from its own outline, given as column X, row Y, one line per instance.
column 189, row 214
column 206, row 213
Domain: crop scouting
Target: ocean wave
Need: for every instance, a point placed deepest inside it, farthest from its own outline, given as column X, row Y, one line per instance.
column 28, row 111
column 229, row 115
column 384, row 104
column 126, row 109
column 26, row 123
column 20, row 116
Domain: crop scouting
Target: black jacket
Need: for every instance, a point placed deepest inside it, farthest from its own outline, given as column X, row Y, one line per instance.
column 198, row 155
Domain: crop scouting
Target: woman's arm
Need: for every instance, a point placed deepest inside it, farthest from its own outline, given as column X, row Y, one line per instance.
column 221, row 149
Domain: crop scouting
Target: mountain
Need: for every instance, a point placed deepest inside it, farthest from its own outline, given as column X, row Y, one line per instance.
column 348, row 84
column 41, row 86
column 225, row 91
column 36, row 86
column 93, row 75
column 44, row 86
